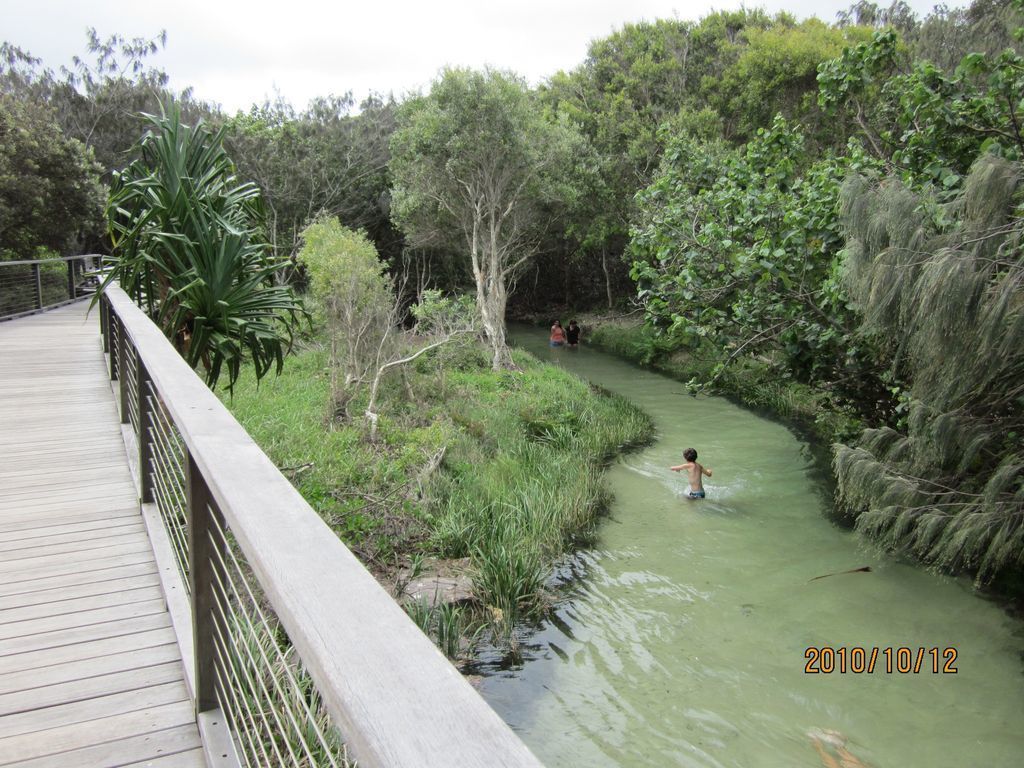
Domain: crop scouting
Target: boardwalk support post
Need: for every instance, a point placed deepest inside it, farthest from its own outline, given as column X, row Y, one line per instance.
column 201, row 582
column 39, row 285
column 105, row 322
column 145, row 435
column 122, row 370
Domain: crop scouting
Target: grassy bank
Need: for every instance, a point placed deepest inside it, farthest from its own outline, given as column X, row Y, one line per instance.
column 752, row 382
column 501, row 468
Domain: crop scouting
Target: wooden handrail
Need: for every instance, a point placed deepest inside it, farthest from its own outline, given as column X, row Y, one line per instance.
column 395, row 699
column 25, row 262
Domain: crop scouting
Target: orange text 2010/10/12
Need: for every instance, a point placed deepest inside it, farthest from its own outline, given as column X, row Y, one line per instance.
column 860, row 660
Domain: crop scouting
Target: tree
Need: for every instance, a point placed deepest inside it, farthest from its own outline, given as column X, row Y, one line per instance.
column 943, row 294
column 322, row 162
column 649, row 82
column 99, row 100
column 363, row 312
column 474, row 165
column 49, row 184
column 776, row 73
column 349, row 282
column 186, row 236
column 738, row 248
column 946, row 35
column 926, row 125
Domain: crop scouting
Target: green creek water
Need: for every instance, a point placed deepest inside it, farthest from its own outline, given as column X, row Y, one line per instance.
column 679, row 637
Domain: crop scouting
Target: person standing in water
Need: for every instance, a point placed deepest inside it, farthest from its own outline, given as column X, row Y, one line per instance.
column 695, row 472
column 572, row 334
column 557, row 334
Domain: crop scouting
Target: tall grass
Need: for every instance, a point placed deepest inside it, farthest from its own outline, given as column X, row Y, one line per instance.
column 516, row 500
column 519, row 483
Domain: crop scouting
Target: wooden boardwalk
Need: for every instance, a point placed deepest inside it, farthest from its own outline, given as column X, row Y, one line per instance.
column 90, row 671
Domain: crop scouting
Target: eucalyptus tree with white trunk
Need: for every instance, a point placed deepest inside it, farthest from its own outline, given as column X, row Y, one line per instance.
column 478, row 168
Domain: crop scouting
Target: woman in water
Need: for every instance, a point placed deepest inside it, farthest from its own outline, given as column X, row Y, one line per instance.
column 557, row 334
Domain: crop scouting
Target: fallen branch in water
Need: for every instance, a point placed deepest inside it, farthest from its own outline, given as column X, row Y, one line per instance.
column 865, row 569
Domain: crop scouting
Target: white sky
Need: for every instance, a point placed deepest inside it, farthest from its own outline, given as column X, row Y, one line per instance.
column 238, row 52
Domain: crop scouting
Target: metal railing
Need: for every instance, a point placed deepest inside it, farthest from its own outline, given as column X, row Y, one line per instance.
column 287, row 639
column 27, row 287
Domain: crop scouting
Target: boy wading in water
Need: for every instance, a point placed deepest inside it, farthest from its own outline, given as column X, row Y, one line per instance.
column 695, row 472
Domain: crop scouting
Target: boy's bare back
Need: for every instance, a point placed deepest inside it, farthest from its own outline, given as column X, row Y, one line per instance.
column 695, row 472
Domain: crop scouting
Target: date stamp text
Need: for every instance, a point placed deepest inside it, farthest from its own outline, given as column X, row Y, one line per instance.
column 861, row 660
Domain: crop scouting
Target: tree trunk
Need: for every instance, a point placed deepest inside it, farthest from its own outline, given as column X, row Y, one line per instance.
column 492, row 312
column 491, row 297
column 607, row 277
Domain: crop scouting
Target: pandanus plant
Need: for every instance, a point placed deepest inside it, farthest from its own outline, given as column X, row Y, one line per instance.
column 188, row 246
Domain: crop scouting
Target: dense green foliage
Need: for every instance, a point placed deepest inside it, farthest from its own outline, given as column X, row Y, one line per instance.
column 649, row 84
column 320, row 162
column 185, row 234
column 944, row 298
column 49, row 185
column 885, row 273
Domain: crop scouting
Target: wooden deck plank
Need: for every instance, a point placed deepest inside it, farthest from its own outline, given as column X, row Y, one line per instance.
column 63, row 480
column 93, row 709
column 53, row 521
column 85, row 562
column 106, row 599
column 15, row 651
column 54, row 741
column 40, row 547
column 90, row 668
column 78, row 577
column 68, row 691
column 22, row 510
column 83, row 660
column 115, row 614
column 45, row 597
column 104, row 490
column 50, row 537
column 193, row 758
column 40, row 471
column 139, row 749
column 64, row 509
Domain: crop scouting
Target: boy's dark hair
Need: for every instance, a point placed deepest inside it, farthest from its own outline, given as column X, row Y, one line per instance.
column 690, row 454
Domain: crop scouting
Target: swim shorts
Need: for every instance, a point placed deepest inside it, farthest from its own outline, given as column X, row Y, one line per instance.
column 692, row 494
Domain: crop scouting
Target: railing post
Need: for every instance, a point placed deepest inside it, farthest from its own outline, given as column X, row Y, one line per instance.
column 122, row 370
column 105, row 322
column 201, row 581
column 39, row 285
column 112, row 322
column 144, row 437
column 71, row 278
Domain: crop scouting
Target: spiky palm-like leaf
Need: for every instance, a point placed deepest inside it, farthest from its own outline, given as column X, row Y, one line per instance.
column 188, row 246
